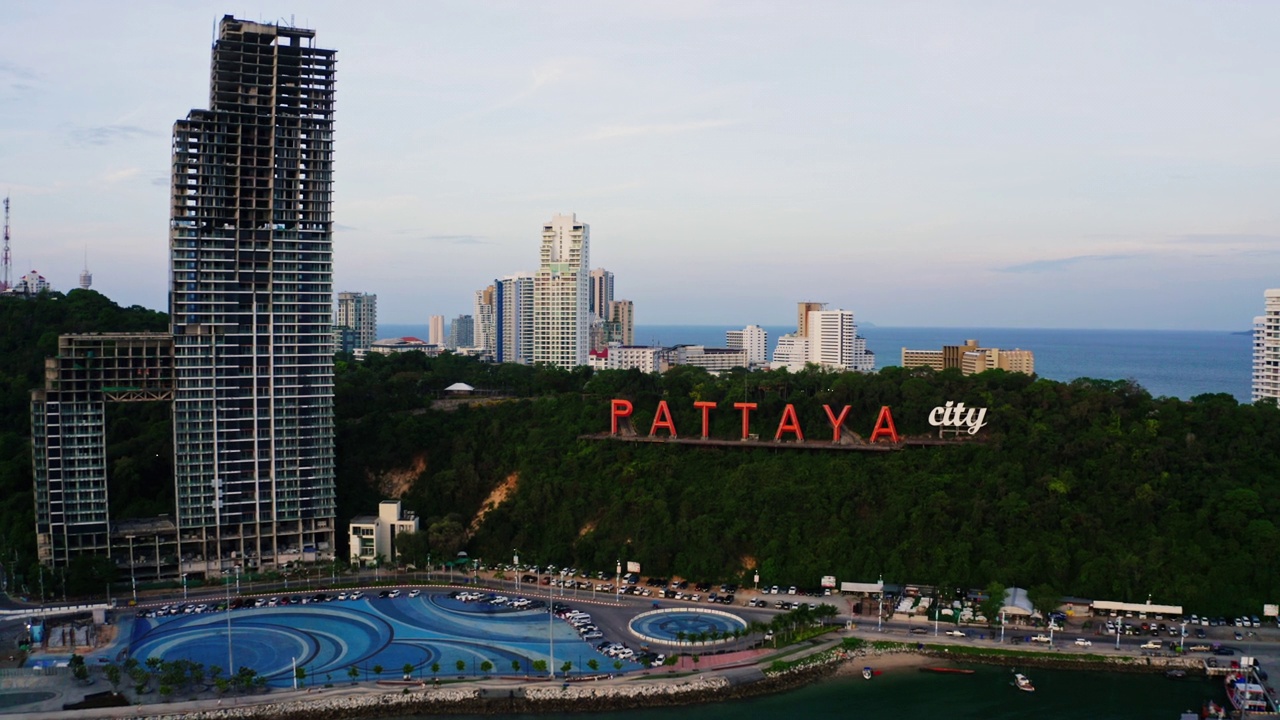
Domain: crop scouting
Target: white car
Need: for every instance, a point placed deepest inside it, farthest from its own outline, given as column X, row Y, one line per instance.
column 1041, row 639
column 1151, row 645
column 955, row 633
column 1084, row 643
column 414, row 593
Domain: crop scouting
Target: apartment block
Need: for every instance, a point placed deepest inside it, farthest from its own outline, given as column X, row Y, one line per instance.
column 513, row 319
column 971, row 358
column 359, row 313
column 1266, row 349
column 373, row 537
column 561, row 302
column 752, row 339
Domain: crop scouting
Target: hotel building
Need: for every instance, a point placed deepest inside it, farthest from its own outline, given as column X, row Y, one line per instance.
column 561, row 299
column 970, row 358
column 1266, row 349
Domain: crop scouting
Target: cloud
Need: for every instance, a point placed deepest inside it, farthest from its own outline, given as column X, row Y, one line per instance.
column 1059, row 264
column 457, row 239
column 15, row 80
column 109, row 134
column 1226, row 239
column 610, row 132
column 121, row 175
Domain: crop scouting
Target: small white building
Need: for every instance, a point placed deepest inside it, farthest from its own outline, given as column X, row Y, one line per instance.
column 375, row 535
column 753, row 339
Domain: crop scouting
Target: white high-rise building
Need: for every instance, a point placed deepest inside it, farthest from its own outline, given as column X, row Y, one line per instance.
column 435, row 330
column 485, row 334
column 1266, row 350
column 561, row 297
column 830, row 340
column 752, row 338
column 513, row 319
column 359, row 311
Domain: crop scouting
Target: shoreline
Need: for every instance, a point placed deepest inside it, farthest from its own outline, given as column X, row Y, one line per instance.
column 517, row 697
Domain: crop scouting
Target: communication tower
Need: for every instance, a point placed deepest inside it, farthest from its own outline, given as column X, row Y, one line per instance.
column 6, row 262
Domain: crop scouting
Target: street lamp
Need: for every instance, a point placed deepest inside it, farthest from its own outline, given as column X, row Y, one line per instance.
column 227, row 584
column 294, row 662
column 1182, row 636
column 133, row 577
column 1119, row 624
column 184, row 586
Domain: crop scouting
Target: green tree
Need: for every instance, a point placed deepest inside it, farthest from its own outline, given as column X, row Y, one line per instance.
column 408, row 670
column 566, row 667
column 461, row 665
column 377, row 670
column 539, row 666
column 486, row 667
column 112, row 671
column 353, row 672
column 515, row 666
column 593, row 664
column 300, row 674
column 994, row 601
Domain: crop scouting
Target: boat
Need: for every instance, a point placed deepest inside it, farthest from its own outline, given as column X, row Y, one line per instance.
column 1175, row 674
column 948, row 670
column 1023, row 683
column 1246, row 696
column 1212, row 709
column 867, row 673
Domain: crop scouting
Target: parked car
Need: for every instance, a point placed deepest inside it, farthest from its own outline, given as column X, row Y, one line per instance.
column 1151, row 645
column 956, row 633
column 1083, row 642
column 1041, row 639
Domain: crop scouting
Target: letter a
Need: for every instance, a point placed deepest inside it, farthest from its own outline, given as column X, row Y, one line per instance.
column 789, row 423
column 618, row 409
column 884, row 426
column 662, row 419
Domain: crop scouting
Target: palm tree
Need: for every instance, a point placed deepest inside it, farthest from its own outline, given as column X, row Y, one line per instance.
column 353, row 672
column 486, row 667
column 461, row 665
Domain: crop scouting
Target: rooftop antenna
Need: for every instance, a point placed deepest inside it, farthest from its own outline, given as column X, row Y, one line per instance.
column 6, row 260
column 86, row 277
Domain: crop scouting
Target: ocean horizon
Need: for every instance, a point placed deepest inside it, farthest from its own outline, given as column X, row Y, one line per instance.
column 1170, row 363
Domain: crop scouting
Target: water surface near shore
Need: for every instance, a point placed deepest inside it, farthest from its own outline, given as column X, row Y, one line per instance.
column 907, row 694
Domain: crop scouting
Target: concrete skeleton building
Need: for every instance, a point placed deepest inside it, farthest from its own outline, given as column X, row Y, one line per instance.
column 561, row 298
column 620, row 327
column 970, row 358
column 357, row 312
column 1266, row 349
column 251, row 344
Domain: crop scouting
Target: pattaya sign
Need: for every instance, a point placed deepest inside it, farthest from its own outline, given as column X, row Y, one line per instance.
column 952, row 417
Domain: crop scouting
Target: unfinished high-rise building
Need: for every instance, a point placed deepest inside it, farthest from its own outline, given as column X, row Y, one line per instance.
column 248, row 364
column 252, row 285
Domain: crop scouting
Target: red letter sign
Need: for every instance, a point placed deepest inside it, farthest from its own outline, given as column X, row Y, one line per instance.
column 746, row 409
column 662, row 419
column 789, row 423
column 618, row 409
column 884, row 426
column 706, row 416
column 837, row 423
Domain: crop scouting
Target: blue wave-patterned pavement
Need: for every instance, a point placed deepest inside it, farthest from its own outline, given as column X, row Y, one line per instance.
column 328, row 638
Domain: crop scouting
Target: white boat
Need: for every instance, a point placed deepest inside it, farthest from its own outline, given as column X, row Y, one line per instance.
column 867, row 673
column 1023, row 683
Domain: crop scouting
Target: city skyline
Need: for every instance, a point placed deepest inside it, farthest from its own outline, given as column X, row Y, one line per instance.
column 1056, row 165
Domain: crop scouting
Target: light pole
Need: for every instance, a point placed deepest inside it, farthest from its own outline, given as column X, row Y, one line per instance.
column 227, row 584
column 1119, row 624
column 880, row 607
column 551, row 640
column 617, row 580
column 294, row 662
column 1182, row 636
column 184, row 586
column 757, row 578
column 133, row 577
column 1001, row 627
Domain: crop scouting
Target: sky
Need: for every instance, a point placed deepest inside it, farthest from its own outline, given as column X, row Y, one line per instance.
column 979, row 164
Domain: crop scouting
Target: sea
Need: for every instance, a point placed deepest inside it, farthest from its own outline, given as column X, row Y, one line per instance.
column 907, row 694
column 1168, row 363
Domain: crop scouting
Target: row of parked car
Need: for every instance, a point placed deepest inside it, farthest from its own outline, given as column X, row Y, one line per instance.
column 587, row 630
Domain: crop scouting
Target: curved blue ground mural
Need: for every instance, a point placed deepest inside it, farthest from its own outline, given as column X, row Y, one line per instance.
column 328, row 638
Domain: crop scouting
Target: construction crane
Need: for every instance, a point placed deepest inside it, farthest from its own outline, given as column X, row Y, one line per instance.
column 6, row 261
